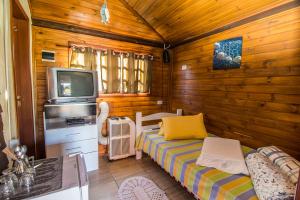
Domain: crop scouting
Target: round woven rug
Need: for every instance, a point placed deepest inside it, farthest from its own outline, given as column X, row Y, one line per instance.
column 140, row 188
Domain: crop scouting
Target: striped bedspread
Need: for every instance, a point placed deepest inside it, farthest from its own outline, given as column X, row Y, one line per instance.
column 178, row 157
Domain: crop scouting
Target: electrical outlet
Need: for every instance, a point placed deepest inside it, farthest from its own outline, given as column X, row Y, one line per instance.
column 159, row 102
column 184, row 67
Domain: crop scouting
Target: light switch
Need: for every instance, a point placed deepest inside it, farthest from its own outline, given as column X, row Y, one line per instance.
column 184, row 67
column 159, row 102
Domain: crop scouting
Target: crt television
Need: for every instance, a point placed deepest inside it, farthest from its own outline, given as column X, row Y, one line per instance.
column 72, row 85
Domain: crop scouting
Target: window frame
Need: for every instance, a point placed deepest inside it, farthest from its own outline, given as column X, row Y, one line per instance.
column 99, row 47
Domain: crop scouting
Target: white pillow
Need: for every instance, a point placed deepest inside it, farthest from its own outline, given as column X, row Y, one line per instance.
column 223, row 154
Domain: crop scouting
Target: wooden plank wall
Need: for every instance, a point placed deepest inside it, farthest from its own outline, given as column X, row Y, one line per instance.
column 56, row 40
column 178, row 20
column 258, row 103
column 86, row 13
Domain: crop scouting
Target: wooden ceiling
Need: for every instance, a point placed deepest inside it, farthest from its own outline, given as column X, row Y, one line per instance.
column 174, row 20
column 86, row 13
column 178, row 20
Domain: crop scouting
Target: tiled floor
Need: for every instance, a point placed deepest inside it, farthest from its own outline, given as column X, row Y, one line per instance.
column 104, row 182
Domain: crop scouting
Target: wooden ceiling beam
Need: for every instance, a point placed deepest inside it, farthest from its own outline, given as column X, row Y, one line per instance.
column 92, row 32
column 135, row 13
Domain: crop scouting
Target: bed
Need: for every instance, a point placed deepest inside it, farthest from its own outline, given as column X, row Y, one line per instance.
column 178, row 158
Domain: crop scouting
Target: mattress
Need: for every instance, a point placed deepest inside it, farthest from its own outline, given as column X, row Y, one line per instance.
column 178, row 158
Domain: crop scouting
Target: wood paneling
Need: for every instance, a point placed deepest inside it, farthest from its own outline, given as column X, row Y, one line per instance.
column 97, row 33
column 242, row 21
column 258, row 103
column 170, row 21
column 56, row 40
column 86, row 13
column 178, row 20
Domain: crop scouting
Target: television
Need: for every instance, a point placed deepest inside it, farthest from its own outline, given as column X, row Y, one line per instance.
column 71, row 85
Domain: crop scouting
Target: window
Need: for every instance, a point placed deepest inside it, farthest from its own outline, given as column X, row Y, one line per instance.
column 118, row 72
column 102, row 69
column 123, row 72
column 140, row 73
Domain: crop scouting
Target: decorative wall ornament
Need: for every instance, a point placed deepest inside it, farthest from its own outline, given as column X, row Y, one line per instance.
column 104, row 12
column 228, row 53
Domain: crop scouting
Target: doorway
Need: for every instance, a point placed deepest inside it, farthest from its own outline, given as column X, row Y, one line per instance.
column 20, row 29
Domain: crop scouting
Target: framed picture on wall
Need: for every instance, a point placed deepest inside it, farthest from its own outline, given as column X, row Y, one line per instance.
column 228, row 53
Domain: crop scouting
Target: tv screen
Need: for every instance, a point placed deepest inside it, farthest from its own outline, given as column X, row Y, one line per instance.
column 75, row 84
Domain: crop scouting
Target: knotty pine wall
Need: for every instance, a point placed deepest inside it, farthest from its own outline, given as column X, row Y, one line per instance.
column 56, row 40
column 85, row 13
column 258, row 103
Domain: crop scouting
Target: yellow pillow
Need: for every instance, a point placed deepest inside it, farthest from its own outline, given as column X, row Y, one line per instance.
column 184, row 127
column 161, row 129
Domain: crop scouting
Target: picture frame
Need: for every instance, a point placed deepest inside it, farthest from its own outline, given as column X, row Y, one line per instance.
column 228, row 54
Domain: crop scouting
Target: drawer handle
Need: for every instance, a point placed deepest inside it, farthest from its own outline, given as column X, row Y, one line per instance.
column 73, row 148
column 74, row 154
column 72, row 134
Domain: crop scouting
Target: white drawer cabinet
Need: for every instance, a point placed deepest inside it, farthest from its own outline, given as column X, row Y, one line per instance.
column 72, row 141
column 86, row 146
column 71, row 129
column 90, row 157
column 72, row 134
column 72, row 148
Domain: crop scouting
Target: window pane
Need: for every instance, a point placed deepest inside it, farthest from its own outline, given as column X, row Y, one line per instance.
column 104, row 61
column 102, row 71
column 125, row 62
column 104, row 74
column 119, row 61
column 98, row 71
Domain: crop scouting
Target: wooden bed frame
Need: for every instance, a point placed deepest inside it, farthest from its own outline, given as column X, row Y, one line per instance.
column 158, row 116
column 297, row 197
column 140, row 128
